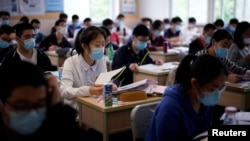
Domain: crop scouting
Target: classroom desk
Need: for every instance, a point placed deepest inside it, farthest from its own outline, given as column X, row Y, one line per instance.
column 154, row 72
column 170, row 56
column 108, row 120
column 183, row 51
column 55, row 58
column 236, row 95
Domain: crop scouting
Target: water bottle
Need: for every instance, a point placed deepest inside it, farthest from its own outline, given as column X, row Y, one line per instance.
column 165, row 47
column 60, row 73
column 230, row 116
column 110, row 52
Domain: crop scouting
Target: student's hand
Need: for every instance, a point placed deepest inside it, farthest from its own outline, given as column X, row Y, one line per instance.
column 53, row 89
column 96, row 89
column 53, row 48
column 114, row 87
column 159, row 62
column 234, row 78
column 133, row 67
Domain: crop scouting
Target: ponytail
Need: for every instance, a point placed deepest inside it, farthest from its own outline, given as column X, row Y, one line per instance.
column 183, row 71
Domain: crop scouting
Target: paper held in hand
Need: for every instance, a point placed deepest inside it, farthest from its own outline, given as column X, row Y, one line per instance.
column 106, row 77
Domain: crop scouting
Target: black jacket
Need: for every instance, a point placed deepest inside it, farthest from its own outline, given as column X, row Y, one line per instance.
column 4, row 52
column 124, row 56
column 43, row 61
column 60, row 124
column 52, row 40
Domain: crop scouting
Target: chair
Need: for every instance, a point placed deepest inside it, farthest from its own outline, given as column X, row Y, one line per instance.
column 140, row 118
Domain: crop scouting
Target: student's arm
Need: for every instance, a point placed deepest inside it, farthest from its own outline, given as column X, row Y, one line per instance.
column 235, row 56
column 231, row 66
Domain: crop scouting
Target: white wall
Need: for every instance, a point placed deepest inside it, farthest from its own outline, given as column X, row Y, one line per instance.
column 155, row 9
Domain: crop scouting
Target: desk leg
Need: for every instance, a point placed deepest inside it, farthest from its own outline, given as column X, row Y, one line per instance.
column 105, row 128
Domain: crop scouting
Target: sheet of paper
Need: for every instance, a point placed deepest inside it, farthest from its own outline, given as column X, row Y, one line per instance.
column 240, row 116
column 107, row 76
column 157, row 68
column 158, row 89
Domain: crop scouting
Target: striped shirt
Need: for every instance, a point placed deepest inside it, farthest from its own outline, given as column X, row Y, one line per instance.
column 231, row 66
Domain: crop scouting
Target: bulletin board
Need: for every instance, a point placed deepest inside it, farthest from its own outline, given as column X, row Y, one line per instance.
column 130, row 8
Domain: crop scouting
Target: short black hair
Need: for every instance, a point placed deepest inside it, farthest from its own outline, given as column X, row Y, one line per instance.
column 106, row 30
column 107, row 22
column 87, row 35
column 208, row 27
column 219, row 22
column 35, row 21
column 240, row 29
column 87, row 20
column 21, row 27
column 176, row 20
column 166, row 21
column 63, row 16
column 24, row 19
column 146, row 19
column 4, row 13
column 191, row 20
column 219, row 35
column 75, row 17
column 234, row 21
column 6, row 29
column 57, row 23
column 156, row 24
column 120, row 16
column 27, row 75
column 141, row 30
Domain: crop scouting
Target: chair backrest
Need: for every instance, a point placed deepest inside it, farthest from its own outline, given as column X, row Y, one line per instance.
column 140, row 118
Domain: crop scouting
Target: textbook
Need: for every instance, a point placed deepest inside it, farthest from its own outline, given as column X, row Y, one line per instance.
column 106, row 77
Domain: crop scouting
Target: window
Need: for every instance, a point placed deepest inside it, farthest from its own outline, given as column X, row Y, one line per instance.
column 190, row 8
column 241, row 10
column 100, row 9
column 224, row 9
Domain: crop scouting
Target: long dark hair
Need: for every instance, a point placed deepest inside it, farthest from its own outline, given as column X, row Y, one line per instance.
column 240, row 29
column 219, row 35
column 204, row 68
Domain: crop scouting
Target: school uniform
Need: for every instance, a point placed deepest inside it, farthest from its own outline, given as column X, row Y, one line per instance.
column 125, row 56
column 169, row 34
column 52, row 40
column 72, row 28
column 196, row 45
column 174, row 118
column 78, row 76
column 237, row 55
column 38, row 58
column 4, row 52
column 158, row 41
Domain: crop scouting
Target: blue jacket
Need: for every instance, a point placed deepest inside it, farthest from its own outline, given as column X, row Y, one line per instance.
column 124, row 56
column 175, row 119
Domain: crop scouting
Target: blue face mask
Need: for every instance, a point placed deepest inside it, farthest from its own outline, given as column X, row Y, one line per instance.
column 29, row 44
column 27, row 122
column 4, row 44
column 211, row 98
column 141, row 45
column 232, row 28
column 157, row 33
column 37, row 30
column 97, row 53
column 5, row 22
column 221, row 52
column 207, row 40
column 177, row 28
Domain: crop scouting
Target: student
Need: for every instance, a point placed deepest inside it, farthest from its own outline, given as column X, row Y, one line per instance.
column 190, row 31
column 166, row 23
column 56, row 40
column 39, row 35
column 119, row 22
column 219, row 46
column 114, row 37
column 86, row 22
column 203, row 41
column 26, row 51
column 62, row 16
column 81, row 70
column 156, row 39
column 30, row 107
column 23, row 19
column 239, row 51
column 108, row 42
column 75, row 24
column 186, row 109
column 132, row 55
column 6, row 32
column 4, row 18
column 232, row 25
column 219, row 24
column 147, row 22
column 172, row 33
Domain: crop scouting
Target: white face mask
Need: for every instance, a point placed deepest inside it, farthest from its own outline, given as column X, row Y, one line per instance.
column 63, row 30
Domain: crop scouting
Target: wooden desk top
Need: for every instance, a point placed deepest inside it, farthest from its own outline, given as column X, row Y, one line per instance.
column 238, row 87
column 158, row 69
column 92, row 102
column 170, row 52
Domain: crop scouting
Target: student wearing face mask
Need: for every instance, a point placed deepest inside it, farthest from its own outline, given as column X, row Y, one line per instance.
column 81, row 70
column 26, row 51
column 39, row 35
column 4, row 18
column 56, row 40
column 203, row 41
column 239, row 52
column 30, row 107
column 219, row 46
column 187, row 107
column 75, row 25
column 173, row 32
column 133, row 55
column 156, row 39
column 6, row 32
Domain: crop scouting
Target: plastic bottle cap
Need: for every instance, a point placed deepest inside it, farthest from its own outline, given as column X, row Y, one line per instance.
column 230, row 109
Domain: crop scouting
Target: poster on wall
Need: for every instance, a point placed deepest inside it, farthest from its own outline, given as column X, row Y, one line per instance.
column 11, row 6
column 128, row 6
column 54, row 5
column 32, row 7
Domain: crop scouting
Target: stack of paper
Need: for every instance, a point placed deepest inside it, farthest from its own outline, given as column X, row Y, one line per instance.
column 106, row 77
